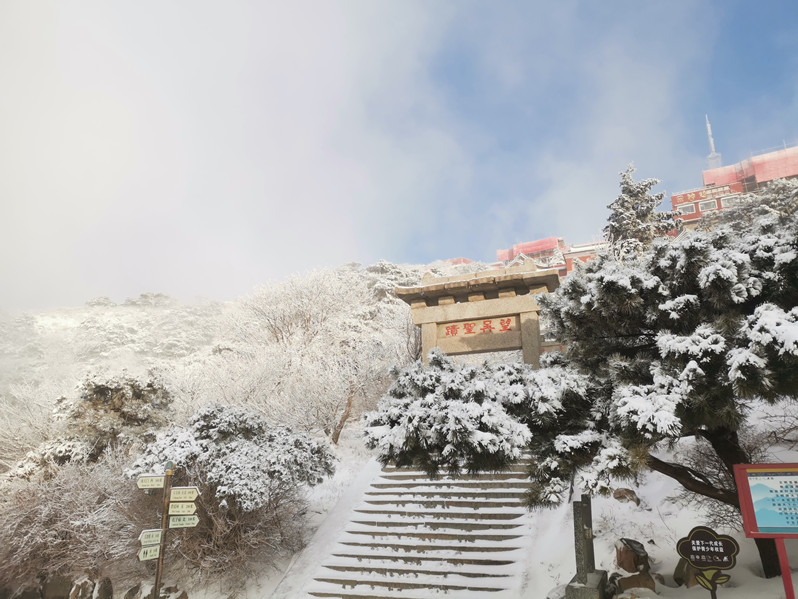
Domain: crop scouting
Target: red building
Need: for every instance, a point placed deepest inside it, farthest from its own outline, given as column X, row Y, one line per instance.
column 549, row 253
column 542, row 249
column 723, row 185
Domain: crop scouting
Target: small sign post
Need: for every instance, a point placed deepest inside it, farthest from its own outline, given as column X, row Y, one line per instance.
column 149, row 552
column 710, row 553
column 150, row 537
column 178, row 512
column 169, row 470
column 184, row 493
column 769, row 504
column 182, row 508
column 151, row 481
column 183, row 521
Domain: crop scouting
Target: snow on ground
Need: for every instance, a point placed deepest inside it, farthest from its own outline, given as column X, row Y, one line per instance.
column 657, row 523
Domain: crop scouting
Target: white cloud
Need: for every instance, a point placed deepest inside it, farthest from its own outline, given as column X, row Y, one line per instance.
column 199, row 148
column 193, row 148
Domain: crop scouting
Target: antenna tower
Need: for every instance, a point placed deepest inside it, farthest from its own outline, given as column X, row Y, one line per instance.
column 713, row 160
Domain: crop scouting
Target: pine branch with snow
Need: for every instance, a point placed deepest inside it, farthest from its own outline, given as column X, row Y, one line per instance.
column 634, row 222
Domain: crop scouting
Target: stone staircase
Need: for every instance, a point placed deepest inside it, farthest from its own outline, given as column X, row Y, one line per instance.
column 414, row 537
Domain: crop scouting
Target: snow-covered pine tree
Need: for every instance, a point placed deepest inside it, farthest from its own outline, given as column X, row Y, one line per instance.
column 779, row 198
column 633, row 222
column 680, row 342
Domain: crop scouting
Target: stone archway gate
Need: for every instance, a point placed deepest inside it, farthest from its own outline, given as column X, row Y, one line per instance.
column 488, row 311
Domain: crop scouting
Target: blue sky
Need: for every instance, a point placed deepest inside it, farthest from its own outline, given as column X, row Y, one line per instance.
column 199, row 149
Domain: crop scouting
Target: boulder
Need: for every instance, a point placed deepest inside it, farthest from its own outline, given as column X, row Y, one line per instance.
column 172, row 592
column 82, row 589
column 626, row 495
column 104, row 589
column 56, row 587
column 631, row 555
column 684, row 574
column 641, row 580
column 133, row 593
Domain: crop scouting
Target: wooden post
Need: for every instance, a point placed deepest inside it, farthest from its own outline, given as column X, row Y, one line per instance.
column 170, row 470
column 583, row 539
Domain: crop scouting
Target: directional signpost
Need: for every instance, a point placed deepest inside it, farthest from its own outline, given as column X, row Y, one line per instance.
column 184, row 493
column 151, row 481
column 178, row 512
column 149, row 552
column 183, row 521
column 182, row 508
column 150, row 537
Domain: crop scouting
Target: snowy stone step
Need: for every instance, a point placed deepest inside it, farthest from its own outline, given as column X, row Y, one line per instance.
column 468, row 525
column 525, row 460
column 396, row 496
column 394, row 570
column 420, row 559
column 392, row 567
column 432, row 548
column 507, row 475
column 367, row 582
column 445, row 494
column 358, row 595
column 462, row 537
column 455, row 536
column 464, row 503
column 444, row 514
column 453, row 484
column 459, row 493
column 393, row 594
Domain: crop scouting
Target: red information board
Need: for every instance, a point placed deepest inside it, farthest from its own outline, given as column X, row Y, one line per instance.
column 769, row 503
column 768, row 499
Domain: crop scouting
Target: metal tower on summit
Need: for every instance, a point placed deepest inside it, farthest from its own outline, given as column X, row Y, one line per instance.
column 713, row 160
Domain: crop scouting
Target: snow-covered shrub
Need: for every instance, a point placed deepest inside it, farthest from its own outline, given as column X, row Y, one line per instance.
column 105, row 412
column 110, row 409
column 251, row 476
column 85, row 519
column 698, row 455
column 26, row 419
column 448, row 415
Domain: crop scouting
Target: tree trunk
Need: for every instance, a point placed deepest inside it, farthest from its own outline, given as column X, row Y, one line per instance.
column 344, row 417
column 694, row 481
column 726, row 443
column 768, row 555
